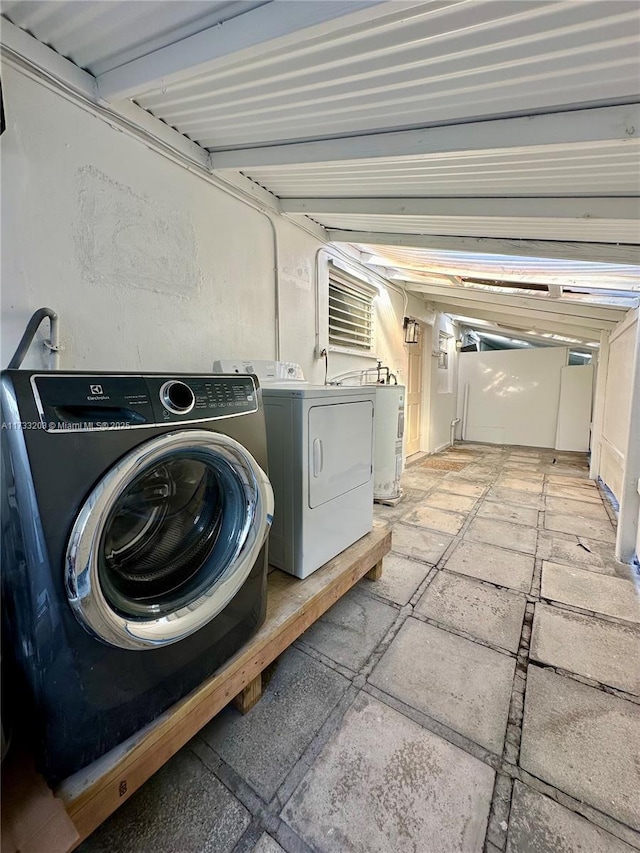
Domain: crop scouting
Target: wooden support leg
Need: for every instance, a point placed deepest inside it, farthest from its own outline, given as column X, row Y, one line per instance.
column 375, row 573
column 249, row 696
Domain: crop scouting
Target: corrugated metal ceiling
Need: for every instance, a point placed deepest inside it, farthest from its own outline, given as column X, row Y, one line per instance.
column 515, row 227
column 585, row 274
column 99, row 35
column 416, row 64
column 411, row 65
column 434, row 62
column 595, row 168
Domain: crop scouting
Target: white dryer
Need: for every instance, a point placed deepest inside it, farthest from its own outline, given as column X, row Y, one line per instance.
column 320, row 450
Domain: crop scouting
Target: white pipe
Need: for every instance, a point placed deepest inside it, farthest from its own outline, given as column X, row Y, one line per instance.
column 452, row 437
column 316, row 271
column 599, row 405
column 276, row 281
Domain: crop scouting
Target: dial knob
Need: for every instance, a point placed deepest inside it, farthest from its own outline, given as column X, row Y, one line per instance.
column 177, row 397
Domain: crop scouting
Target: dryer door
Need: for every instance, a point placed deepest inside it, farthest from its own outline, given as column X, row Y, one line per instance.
column 167, row 538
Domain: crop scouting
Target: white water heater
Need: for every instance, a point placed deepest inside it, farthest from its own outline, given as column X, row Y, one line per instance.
column 389, row 432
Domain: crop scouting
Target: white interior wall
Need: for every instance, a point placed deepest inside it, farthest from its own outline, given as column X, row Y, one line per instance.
column 619, row 459
column 149, row 266
column 513, row 395
column 617, row 408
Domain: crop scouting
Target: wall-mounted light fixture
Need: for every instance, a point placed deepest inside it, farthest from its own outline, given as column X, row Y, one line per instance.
column 411, row 330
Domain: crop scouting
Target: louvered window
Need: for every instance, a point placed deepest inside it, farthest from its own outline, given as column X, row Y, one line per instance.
column 350, row 311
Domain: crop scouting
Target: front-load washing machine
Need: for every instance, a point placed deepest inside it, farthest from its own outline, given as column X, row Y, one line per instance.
column 135, row 515
column 320, row 443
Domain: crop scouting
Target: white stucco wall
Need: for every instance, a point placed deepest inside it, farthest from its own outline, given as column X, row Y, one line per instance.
column 148, row 266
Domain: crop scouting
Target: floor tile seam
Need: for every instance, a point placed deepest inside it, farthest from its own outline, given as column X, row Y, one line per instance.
column 512, row 522
column 473, row 483
column 571, row 510
column 531, row 492
column 312, row 751
column 228, row 776
column 370, row 592
column 477, row 541
column 243, row 791
column 591, row 536
column 415, row 559
column 435, row 726
column 583, row 611
column 458, row 632
column 286, row 836
column 422, row 587
column 593, row 569
column 383, row 644
column 432, row 487
column 515, row 590
column 527, row 476
column 536, row 579
column 501, row 547
column 492, row 584
column 427, row 488
column 593, row 815
column 451, row 547
column 585, row 680
column 431, row 529
column 596, row 490
column 250, row 837
column 320, row 657
column 499, row 812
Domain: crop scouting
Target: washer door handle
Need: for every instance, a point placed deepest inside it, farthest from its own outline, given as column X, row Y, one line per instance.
column 318, row 457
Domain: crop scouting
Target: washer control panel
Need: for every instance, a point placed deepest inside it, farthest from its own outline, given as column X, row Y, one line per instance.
column 78, row 402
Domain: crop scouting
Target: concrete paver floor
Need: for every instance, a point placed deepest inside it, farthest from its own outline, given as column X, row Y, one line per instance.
column 483, row 696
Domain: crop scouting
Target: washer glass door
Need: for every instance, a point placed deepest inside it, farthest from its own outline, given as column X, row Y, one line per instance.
column 167, row 538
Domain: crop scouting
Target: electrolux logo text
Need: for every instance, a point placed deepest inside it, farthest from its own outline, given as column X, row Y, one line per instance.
column 97, row 393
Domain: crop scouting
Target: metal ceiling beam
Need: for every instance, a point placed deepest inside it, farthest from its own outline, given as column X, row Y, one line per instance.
column 545, row 208
column 276, row 25
column 529, row 133
column 520, row 322
column 599, row 287
column 597, row 252
column 564, row 307
column 17, row 45
column 525, row 315
column 507, row 331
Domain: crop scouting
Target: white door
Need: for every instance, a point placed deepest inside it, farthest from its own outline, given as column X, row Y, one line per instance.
column 574, row 410
column 340, row 449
